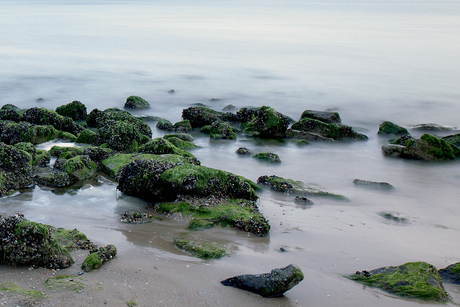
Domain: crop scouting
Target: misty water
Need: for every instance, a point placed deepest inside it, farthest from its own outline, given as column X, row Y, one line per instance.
column 370, row 61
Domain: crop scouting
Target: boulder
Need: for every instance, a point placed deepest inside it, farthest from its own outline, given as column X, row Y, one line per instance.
column 267, row 123
column 78, row 168
column 10, row 114
column 244, row 151
column 272, row 284
column 389, row 128
column 306, row 136
column 42, row 116
column 201, row 116
column 451, row 273
column 65, row 152
column 324, row 116
column 433, row 127
column 136, row 102
column 165, row 124
column 332, row 131
column 183, row 126
column 160, row 146
column 12, row 132
column 87, row 137
column 366, row 183
column 75, row 110
column 98, row 257
column 182, row 136
column 23, row 242
column 453, row 139
column 267, row 156
column 15, row 168
column 413, row 279
column 121, row 136
column 220, row 130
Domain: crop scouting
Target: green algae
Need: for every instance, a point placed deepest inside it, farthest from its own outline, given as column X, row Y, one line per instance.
column 267, row 156
column 131, row 303
column 202, row 249
column 65, row 283
column 412, row 279
column 136, row 102
column 67, row 238
column 332, row 131
column 65, row 152
column 161, row 146
column 181, row 144
column 80, row 168
column 389, row 128
column 183, row 126
column 431, row 148
column 8, row 286
column 75, row 110
column 92, row 262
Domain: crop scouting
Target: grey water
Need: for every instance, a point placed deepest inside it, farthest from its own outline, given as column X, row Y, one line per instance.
column 370, row 61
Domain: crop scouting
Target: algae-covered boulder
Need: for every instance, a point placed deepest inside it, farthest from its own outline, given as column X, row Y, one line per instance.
column 97, row 154
column 180, row 143
column 201, row 116
column 71, row 239
column 267, row 156
column 40, row 157
column 65, row 152
column 267, row 123
column 97, row 258
column 202, row 249
column 183, row 136
column 12, row 132
column 412, row 279
column 87, row 137
column 453, row 139
column 159, row 181
column 15, row 168
column 272, row 284
column 290, row 186
column 373, row 184
column 10, row 114
column 23, row 242
column 161, row 146
column 331, row 131
column 75, row 110
column 42, row 116
column 220, row 130
column 136, row 102
column 78, row 168
column 306, row 136
column 428, row 147
column 244, row 151
column 121, row 136
column 432, row 127
column 389, row 128
column 183, row 126
column 165, row 124
column 56, row 179
column 324, row 116
column 451, row 273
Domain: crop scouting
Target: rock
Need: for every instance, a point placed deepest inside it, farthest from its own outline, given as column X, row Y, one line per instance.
column 220, row 130
column 171, row 91
column 39, row 157
column 332, row 131
column 183, row 126
column 97, row 258
column 290, row 186
column 97, row 154
column 78, row 168
column 136, row 102
column 42, row 116
column 428, row 147
column 393, row 216
column 389, row 128
column 23, row 242
column 202, row 116
column 413, row 279
column 64, row 283
column 272, row 284
column 433, row 127
column 401, row 140
column 182, row 136
column 451, row 273
column 165, row 124
column 180, row 143
column 453, row 139
column 12, row 133
column 267, row 156
column 202, row 249
column 244, row 151
column 15, row 169
column 160, row 146
column 324, row 116
column 303, row 200
column 136, row 217
column 10, row 114
column 75, row 110
column 384, row 185
column 307, row 136
column 229, row 108
column 267, row 123
column 56, row 179
column 65, row 152
column 121, row 136
column 71, row 239
column 87, row 137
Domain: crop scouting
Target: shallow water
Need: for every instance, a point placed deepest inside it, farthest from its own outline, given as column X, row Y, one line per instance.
column 369, row 60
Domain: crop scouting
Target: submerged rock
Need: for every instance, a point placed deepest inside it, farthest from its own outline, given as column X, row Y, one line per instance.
column 75, row 110
column 220, row 130
column 332, row 131
column 201, row 116
column 306, row 136
column 412, row 279
column 97, row 258
column 384, row 185
column 389, row 128
column 244, row 151
column 267, row 156
column 272, row 284
column 433, row 127
column 324, row 116
column 136, row 102
column 23, row 242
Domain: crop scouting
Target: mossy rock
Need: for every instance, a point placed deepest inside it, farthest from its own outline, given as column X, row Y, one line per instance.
column 68, row 238
column 183, row 126
column 333, row 131
column 202, row 249
column 160, row 146
column 267, row 156
column 180, row 143
column 324, row 116
column 136, row 102
column 220, row 130
column 389, row 128
column 413, row 279
column 306, row 136
column 67, row 136
column 79, row 168
column 430, row 148
column 57, row 179
column 41, row 158
column 239, row 213
column 13, row 133
column 267, row 123
column 10, row 114
column 183, row 136
column 96, row 259
column 165, row 124
column 290, row 186
column 121, row 136
column 15, row 168
column 451, row 273
column 8, row 286
column 75, row 110
column 200, row 116
column 453, row 139
column 65, row 283
column 87, row 137
column 65, row 152
column 42, row 116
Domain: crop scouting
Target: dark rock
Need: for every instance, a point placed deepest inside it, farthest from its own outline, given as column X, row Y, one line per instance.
column 42, row 116
column 160, row 146
column 243, row 151
column 202, row 116
column 75, row 110
column 136, row 102
column 267, row 123
column 87, row 137
column 229, row 108
column 65, row 152
column 12, row 132
column 433, row 127
column 10, row 114
column 98, row 257
column 412, row 279
column 402, row 140
column 307, row 136
column 333, row 131
column 324, row 116
column 171, row 91
column 15, row 168
column 272, row 284
column 56, row 179
column 453, row 139
column 78, row 168
column 23, row 242
column 389, row 128
column 384, row 185
column 451, row 273
column 121, row 136
column 303, row 200
column 267, row 156
column 220, row 130
column 165, row 124
column 183, row 126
